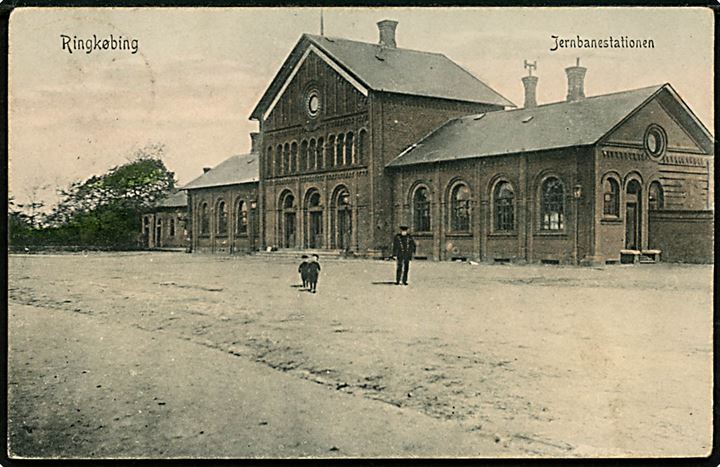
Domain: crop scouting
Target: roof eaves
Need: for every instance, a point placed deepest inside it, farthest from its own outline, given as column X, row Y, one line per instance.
column 277, row 79
column 508, row 102
column 632, row 112
column 692, row 115
column 409, row 149
column 494, row 154
column 337, row 60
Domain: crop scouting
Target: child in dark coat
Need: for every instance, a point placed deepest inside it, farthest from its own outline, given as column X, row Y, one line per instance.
column 302, row 269
column 313, row 271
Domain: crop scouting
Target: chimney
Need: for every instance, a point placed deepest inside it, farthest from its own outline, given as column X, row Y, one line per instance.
column 206, row 169
column 254, row 137
column 530, row 83
column 576, row 82
column 387, row 33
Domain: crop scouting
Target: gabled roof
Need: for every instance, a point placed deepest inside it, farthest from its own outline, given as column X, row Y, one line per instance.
column 235, row 170
column 388, row 69
column 551, row 126
column 177, row 199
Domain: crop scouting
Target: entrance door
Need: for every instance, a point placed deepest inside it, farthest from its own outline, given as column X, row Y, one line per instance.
column 631, row 226
column 289, row 230
column 158, row 233
column 315, row 231
column 633, row 219
column 344, row 229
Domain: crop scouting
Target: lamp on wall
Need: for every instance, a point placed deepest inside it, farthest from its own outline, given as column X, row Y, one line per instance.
column 577, row 191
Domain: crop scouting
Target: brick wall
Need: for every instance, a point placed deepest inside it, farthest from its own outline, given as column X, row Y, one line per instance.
column 397, row 121
column 683, row 236
column 525, row 172
column 165, row 228
column 234, row 239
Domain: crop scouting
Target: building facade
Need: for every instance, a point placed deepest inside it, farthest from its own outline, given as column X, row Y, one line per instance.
column 336, row 113
column 222, row 204
column 357, row 138
column 165, row 226
column 585, row 179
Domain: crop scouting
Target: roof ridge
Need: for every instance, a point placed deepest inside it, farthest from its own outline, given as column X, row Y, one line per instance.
column 656, row 86
column 344, row 39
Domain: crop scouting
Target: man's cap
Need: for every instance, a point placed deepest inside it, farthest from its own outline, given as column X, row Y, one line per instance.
column 304, row 256
column 404, row 227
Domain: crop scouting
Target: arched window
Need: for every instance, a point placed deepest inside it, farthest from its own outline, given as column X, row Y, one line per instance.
column 221, row 218
column 293, row 157
column 504, row 207
column 339, row 149
column 321, row 153
column 204, row 219
column 656, row 197
column 269, row 165
column 312, row 155
column 362, row 143
column 552, row 216
column 288, row 201
column 611, row 197
column 330, row 151
column 286, row 159
column 349, row 149
column 313, row 199
column 278, row 160
column 460, row 208
column 303, row 163
column 421, row 210
column 241, row 216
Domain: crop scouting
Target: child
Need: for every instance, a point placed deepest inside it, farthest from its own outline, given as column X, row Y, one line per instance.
column 302, row 269
column 313, row 271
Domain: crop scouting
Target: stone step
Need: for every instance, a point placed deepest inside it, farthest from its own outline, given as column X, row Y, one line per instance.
column 295, row 253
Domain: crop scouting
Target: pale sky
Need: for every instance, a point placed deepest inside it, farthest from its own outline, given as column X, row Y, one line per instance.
column 198, row 72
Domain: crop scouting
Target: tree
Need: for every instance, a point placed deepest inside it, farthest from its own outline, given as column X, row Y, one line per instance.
column 19, row 224
column 104, row 209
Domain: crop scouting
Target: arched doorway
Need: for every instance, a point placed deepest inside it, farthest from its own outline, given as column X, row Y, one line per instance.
column 633, row 215
column 342, row 227
column 314, row 220
column 288, row 220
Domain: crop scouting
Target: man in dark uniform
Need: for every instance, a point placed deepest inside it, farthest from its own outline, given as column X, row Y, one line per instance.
column 403, row 251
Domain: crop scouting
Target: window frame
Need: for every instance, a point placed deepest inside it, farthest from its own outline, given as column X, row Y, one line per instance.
column 660, row 201
column 508, row 209
column 241, row 218
column 204, row 219
column 544, row 227
column 428, row 209
column 613, row 214
column 453, row 203
column 221, row 216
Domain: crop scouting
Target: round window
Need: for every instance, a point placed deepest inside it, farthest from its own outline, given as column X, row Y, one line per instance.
column 312, row 103
column 655, row 142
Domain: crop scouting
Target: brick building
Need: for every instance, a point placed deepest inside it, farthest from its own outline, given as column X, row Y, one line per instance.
column 222, row 204
column 357, row 138
column 582, row 179
column 165, row 225
column 332, row 118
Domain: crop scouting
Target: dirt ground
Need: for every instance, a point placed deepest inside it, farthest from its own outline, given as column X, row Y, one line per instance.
column 172, row 355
